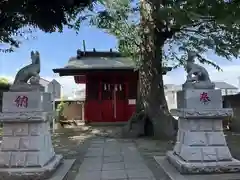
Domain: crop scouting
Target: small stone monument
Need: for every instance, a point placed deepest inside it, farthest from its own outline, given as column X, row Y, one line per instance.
column 201, row 146
column 26, row 151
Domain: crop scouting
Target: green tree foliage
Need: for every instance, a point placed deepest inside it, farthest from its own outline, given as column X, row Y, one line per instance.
column 161, row 32
column 60, row 108
column 3, row 80
column 19, row 17
column 183, row 25
column 4, row 83
column 121, row 19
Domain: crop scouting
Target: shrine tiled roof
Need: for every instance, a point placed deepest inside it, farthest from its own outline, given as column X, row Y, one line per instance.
column 99, row 60
column 100, row 63
column 93, row 60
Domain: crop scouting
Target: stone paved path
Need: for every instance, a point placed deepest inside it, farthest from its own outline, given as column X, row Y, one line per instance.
column 112, row 159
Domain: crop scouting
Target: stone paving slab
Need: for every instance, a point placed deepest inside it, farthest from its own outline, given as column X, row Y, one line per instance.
column 113, row 166
column 112, row 159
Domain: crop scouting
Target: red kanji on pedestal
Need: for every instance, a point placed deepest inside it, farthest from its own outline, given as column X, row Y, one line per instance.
column 204, row 98
column 22, row 101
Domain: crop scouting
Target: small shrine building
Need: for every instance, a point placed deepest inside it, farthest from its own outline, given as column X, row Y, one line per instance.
column 111, row 84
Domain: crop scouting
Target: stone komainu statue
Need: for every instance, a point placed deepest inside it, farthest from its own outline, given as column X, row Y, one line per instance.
column 197, row 77
column 29, row 72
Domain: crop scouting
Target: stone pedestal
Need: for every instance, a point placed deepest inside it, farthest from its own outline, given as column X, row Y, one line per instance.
column 201, row 146
column 26, row 148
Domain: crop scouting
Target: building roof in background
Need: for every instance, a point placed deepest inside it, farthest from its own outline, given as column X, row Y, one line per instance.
column 55, row 82
column 172, row 87
column 218, row 85
column 44, row 82
column 224, row 85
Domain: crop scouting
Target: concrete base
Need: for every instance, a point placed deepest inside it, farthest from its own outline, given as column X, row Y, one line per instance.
column 174, row 174
column 203, row 167
column 36, row 173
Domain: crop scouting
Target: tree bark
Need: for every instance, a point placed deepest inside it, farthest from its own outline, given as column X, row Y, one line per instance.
column 151, row 71
column 151, row 103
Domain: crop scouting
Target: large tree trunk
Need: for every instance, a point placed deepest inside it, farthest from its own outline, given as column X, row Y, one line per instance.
column 151, row 71
column 155, row 105
column 152, row 100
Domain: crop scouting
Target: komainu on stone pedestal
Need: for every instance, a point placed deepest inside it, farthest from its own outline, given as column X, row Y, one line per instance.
column 201, row 145
column 26, row 151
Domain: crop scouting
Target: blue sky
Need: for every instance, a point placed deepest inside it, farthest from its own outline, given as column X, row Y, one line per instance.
column 56, row 48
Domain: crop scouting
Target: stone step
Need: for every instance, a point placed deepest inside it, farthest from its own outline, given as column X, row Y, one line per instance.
column 63, row 170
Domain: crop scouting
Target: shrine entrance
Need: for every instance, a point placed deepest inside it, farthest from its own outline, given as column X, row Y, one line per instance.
column 107, row 98
column 113, row 100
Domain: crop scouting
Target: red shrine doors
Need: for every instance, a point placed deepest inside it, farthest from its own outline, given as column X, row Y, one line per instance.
column 113, row 101
column 110, row 98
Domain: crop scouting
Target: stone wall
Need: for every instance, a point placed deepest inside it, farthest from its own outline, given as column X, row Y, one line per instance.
column 73, row 111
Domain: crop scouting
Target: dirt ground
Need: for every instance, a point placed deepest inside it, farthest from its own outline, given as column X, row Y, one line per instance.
column 73, row 143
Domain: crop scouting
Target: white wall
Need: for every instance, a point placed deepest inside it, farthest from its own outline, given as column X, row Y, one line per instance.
column 55, row 88
column 229, row 91
column 171, row 97
column 45, row 87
